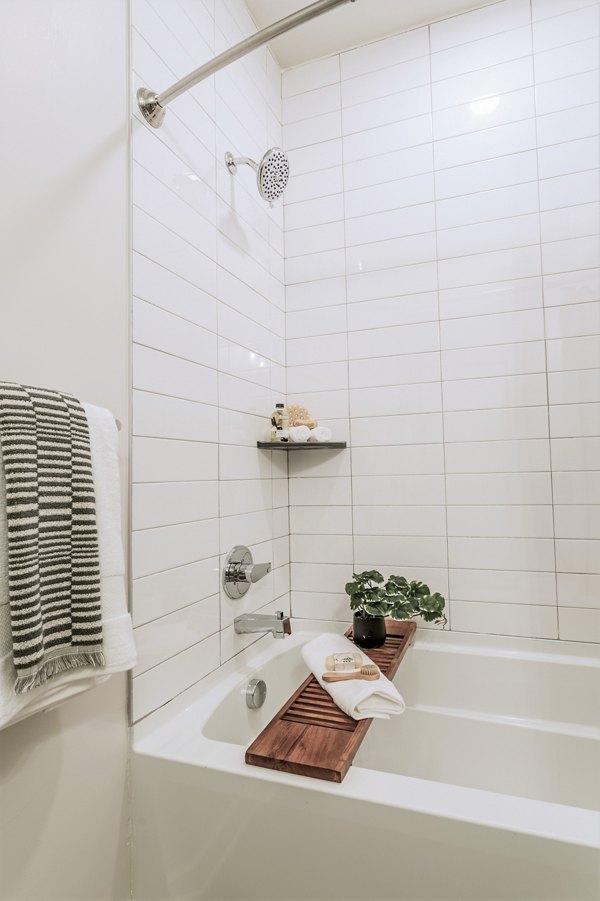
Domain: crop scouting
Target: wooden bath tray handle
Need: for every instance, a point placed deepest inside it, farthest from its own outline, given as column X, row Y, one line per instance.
column 311, row 736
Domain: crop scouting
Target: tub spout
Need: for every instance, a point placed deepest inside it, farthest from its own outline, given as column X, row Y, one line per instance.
column 279, row 625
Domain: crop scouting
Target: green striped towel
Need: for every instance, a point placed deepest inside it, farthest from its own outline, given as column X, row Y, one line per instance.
column 53, row 563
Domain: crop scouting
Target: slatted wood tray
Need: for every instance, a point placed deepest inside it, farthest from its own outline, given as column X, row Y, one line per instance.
column 311, row 736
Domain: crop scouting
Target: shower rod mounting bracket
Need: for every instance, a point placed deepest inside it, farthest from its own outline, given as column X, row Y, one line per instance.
column 153, row 106
column 150, row 108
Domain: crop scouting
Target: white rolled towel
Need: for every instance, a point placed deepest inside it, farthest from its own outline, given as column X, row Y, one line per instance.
column 360, row 699
column 321, row 434
column 299, row 434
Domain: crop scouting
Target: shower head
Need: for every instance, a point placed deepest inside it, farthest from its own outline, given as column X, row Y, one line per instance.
column 272, row 172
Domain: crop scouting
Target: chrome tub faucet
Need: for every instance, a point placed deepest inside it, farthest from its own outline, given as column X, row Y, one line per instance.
column 279, row 625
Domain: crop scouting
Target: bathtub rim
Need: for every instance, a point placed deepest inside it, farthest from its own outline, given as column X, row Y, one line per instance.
column 531, row 817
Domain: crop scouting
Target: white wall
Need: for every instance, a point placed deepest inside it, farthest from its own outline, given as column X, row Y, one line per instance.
column 208, row 355
column 443, row 314
column 64, row 252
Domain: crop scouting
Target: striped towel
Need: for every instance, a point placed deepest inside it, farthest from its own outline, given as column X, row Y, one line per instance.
column 53, row 563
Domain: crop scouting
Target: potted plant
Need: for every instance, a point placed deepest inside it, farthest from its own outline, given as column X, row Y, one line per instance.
column 372, row 599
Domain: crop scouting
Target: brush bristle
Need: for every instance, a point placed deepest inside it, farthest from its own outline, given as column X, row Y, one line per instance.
column 369, row 669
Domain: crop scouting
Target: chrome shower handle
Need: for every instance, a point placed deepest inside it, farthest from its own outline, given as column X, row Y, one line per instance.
column 240, row 572
column 255, row 572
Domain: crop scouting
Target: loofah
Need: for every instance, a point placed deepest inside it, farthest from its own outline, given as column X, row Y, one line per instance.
column 299, row 415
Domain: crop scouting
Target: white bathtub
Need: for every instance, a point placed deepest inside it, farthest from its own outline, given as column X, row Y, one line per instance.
column 488, row 787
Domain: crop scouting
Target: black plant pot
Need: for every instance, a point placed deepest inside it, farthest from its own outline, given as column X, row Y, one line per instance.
column 369, row 631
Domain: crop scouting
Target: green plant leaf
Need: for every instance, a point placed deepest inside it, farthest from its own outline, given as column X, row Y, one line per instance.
column 400, row 613
column 433, row 602
column 402, row 607
column 398, row 582
column 432, row 607
column 374, row 610
column 428, row 617
column 372, row 575
column 397, row 598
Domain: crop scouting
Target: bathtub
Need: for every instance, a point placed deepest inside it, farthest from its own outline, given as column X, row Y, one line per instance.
column 488, row 787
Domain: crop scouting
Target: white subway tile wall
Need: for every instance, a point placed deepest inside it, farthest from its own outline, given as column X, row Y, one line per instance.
column 443, row 313
column 209, row 347
column 430, row 290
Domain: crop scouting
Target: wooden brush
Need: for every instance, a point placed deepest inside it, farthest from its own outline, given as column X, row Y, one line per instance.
column 368, row 672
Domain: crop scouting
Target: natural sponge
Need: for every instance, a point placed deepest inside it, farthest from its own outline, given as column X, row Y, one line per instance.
column 299, row 415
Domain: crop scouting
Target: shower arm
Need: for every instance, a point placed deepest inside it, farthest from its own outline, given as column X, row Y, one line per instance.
column 233, row 162
column 152, row 105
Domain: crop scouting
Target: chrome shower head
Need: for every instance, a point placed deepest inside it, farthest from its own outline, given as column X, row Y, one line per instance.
column 272, row 172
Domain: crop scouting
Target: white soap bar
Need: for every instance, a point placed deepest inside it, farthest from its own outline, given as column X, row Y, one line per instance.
column 343, row 663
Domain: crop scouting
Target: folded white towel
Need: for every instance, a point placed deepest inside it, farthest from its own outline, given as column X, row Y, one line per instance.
column 118, row 644
column 299, row 434
column 320, row 434
column 359, row 699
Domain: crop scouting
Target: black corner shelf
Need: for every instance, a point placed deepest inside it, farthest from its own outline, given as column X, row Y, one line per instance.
column 290, row 446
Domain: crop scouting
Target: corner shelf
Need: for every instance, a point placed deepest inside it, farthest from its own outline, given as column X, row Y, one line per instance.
column 313, row 446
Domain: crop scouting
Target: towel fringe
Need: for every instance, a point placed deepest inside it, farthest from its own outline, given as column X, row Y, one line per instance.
column 56, row 666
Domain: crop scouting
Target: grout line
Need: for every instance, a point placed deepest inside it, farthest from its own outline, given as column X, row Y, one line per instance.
column 187, row 687
column 449, row 228
column 213, row 517
column 422, row 175
column 174, row 568
column 405, row 120
column 207, row 257
column 439, row 332
column 251, row 445
column 180, row 197
column 356, row 248
column 169, row 312
column 347, row 389
column 427, row 263
column 220, row 372
column 462, row 137
column 552, row 492
column 219, row 399
column 172, row 272
column 162, row 616
column 176, row 481
column 128, row 493
column 443, row 50
column 177, row 356
column 520, row 89
column 167, row 228
column 210, row 44
column 450, row 349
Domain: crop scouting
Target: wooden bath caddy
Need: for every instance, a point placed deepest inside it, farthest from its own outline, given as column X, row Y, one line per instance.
column 311, row 736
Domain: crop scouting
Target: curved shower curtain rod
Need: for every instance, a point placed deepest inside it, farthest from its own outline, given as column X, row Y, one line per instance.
column 152, row 105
